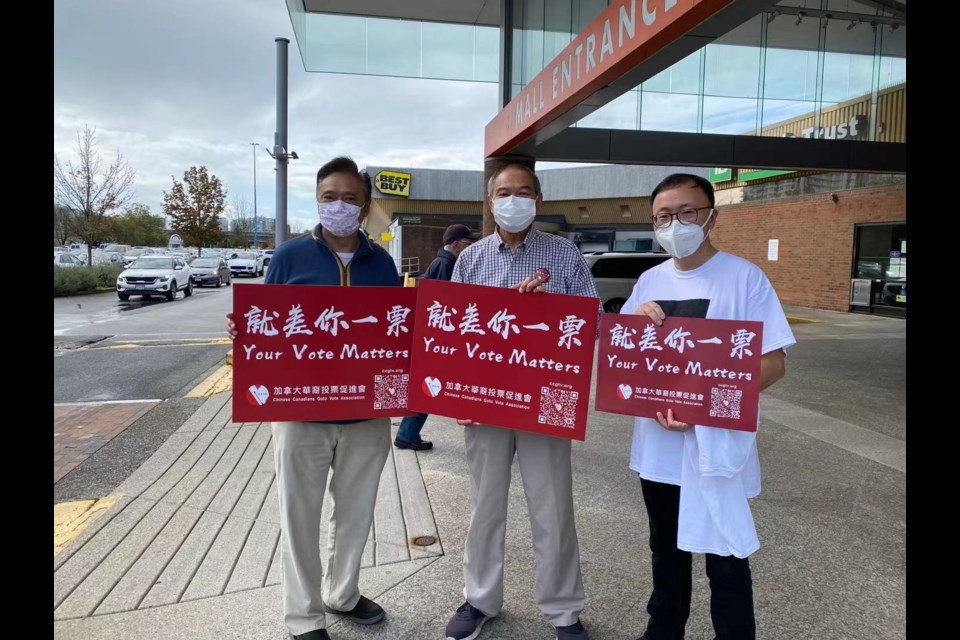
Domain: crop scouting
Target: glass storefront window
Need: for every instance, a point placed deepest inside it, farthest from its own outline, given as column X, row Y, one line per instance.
column 734, row 116
column 732, row 65
column 881, row 252
column 668, row 112
column 682, row 77
column 447, row 50
column 616, row 114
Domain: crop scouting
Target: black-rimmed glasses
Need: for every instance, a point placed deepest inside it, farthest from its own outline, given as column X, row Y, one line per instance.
column 684, row 216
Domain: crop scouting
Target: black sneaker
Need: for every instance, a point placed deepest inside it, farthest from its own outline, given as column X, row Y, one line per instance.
column 316, row 634
column 417, row 445
column 574, row 631
column 466, row 623
column 366, row 612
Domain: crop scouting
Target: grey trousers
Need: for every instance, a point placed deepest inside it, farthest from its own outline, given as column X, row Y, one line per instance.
column 304, row 454
column 548, row 485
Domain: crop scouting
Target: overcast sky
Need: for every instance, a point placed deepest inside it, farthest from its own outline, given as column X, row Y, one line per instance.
column 177, row 83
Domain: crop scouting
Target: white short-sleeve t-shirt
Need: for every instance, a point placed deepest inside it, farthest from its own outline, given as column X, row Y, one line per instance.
column 727, row 288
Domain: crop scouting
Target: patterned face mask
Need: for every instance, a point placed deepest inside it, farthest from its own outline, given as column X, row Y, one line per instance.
column 340, row 218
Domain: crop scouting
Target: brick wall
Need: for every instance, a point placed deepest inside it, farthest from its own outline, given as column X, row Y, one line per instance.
column 816, row 239
column 422, row 242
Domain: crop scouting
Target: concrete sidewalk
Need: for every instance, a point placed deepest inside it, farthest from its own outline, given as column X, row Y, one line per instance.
column 189, row 551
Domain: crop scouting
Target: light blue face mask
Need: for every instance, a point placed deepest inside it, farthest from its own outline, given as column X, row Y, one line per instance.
column 514, row 213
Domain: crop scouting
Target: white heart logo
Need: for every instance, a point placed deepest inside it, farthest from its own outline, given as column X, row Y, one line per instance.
column 431, row 386
column 558, row 406
column 392, row 391
column 258, row 395
column 624, row 391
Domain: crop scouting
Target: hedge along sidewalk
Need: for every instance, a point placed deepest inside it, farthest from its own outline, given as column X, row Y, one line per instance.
column 73, row 280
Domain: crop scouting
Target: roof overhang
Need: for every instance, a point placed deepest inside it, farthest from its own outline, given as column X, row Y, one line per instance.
column 628, row 43
column 483, row 12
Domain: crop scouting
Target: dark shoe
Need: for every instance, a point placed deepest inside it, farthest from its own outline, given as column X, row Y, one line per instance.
column 316, row 634
column 573, row 632
column 366, row 612
column 417, row 445
column 466, row 623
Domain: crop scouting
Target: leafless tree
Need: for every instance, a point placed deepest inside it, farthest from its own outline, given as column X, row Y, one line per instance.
column 62, row 224
column 241, row 220
column 91, row 189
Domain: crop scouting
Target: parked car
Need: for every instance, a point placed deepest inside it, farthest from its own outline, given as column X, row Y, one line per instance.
column 247, row 263
column 267, row 254
column 616, row 273
column 155, row 276
column 210, row 271
column 63, row 259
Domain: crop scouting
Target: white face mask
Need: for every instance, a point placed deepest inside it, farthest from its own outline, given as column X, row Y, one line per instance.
column 513, row 213
column 682, row 240
column 340, row 218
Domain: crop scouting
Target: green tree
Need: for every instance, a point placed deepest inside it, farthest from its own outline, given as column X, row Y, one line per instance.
column 138, row 227
column 91, row 190
column 194, row 211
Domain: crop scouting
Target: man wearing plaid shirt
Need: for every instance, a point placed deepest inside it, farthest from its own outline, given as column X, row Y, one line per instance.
column 509, row 258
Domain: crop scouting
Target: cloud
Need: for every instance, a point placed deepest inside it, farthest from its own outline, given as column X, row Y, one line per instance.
column 181, row 83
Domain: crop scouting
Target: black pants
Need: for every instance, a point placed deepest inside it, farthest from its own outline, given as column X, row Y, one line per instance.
column 731, row 588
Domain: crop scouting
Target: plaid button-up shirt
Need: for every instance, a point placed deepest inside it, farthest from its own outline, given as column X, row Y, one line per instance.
column 492, row 262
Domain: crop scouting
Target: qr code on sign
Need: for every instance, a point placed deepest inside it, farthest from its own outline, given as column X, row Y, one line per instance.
column 725, row 403
column 390, row 392
column 558, row 407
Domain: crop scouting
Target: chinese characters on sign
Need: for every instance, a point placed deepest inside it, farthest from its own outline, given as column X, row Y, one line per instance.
column 496, row 356
column 707, row 371
column 310, row 353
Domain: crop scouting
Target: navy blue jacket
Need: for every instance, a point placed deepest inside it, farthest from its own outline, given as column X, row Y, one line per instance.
column 442, row 266
column 308, row 260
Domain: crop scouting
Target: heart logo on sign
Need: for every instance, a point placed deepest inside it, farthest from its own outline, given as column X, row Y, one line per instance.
column 624, row 392
column 431, row 386
column 558, row 406
column 257, row 396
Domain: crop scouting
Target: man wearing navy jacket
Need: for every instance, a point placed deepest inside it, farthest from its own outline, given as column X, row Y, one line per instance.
column 336, row 252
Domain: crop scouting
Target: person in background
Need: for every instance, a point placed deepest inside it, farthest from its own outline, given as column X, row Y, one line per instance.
column 456, row 238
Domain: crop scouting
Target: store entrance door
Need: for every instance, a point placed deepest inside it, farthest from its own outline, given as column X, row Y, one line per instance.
column 881, row 257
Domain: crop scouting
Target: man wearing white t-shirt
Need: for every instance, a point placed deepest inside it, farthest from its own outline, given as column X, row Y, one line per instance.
column 696, row 479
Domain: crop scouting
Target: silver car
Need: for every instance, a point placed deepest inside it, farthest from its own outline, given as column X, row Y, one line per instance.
column 155, row 276
column 212, row 271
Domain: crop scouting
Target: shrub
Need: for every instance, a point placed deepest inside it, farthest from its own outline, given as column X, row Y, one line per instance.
column 70, row 281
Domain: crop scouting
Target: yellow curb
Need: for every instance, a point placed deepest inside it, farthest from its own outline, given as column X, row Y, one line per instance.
column 230, row 358
column 799, row 320
column 71, row 518
column 217, row 382
column 148, row 344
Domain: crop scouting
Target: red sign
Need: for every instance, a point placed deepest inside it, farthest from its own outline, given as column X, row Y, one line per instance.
column 499, row 357
column 308, row 353
column 707, row 371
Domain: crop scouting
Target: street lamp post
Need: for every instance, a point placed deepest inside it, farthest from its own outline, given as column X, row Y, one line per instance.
column 256, row 235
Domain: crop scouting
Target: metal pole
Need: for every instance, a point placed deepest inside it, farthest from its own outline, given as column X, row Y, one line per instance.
column 256, row 237
column 280, row 140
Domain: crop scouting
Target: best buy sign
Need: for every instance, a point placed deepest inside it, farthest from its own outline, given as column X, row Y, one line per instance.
column 393, row 183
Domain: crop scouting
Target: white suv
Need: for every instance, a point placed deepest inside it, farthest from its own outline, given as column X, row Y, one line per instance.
column 616, row 273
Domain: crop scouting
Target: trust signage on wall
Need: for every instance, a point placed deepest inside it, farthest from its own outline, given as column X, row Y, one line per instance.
column 393, row 183
column 853, row 129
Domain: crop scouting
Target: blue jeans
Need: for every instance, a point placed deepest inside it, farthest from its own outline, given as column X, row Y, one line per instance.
column 410, row 427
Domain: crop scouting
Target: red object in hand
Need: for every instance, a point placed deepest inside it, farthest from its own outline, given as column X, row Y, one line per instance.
column 542, row 274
